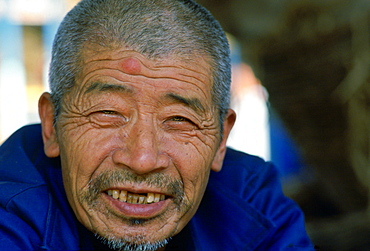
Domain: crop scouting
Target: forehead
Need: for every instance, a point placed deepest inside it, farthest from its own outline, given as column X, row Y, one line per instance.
column 127, row 66
column 135, row 63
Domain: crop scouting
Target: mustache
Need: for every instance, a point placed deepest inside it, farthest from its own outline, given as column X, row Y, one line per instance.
column 108, row 179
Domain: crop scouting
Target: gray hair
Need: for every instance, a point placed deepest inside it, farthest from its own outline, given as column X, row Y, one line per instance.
column 154, row 28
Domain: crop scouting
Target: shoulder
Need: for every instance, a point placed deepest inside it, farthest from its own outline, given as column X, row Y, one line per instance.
column 30, row 215
column 250, row 182
column 18, row 173
column 246, row 196
column 24, row 209
column 30, row 219
column 241, row 172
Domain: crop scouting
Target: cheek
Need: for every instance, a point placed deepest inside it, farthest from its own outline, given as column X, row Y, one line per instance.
column 195, row 181
column 195, row 152
column 81, row 154
column 192, row 158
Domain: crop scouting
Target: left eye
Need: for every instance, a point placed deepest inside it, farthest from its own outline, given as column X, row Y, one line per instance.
column 180, row 123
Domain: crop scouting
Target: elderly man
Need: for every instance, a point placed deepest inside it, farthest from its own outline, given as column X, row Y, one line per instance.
column 136, row 121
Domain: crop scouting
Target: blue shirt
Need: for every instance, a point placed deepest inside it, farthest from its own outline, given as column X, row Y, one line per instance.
column 243, row 207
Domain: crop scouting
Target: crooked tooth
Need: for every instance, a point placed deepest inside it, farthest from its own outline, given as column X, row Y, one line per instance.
column 123, row 196
column 142, row 199
column 150, row 198
column 115, row 194
column 157, row 197
column 135, row 198
column 129, row 198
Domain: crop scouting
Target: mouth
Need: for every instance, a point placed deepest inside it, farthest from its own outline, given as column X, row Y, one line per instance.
column 136, row 198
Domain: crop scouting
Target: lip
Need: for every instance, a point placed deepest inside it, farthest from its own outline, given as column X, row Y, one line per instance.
column 144, row 211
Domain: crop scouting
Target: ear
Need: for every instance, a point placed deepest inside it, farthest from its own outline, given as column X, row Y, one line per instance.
column 220, row 154
column 46, row 113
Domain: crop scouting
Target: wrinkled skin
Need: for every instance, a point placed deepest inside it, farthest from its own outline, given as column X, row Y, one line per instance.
column 152, row 121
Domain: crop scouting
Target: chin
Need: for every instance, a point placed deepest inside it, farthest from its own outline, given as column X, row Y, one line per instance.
column 132, row 242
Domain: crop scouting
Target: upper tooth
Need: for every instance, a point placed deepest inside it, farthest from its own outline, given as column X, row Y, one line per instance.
column 123, row 196
column 129, row 198
column 135, row 197
column 115, row 194
column 150, row 198
column 141, row 199
column 157, row 197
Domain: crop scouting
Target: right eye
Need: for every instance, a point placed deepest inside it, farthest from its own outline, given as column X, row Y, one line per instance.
column 107, row 118
column 108, row 112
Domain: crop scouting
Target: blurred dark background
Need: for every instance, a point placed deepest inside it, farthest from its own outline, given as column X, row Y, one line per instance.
column 313, row 58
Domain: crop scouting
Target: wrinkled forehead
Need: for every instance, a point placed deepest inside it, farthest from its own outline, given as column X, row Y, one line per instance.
column 196, row 66
column 92, row 51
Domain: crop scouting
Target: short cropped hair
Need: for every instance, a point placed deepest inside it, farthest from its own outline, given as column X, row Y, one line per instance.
column 154, row 28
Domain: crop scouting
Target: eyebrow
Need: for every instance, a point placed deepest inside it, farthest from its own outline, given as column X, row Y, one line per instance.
column 105, row 87
column 193, row 103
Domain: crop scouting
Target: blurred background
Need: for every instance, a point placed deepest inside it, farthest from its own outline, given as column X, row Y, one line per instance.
column 301, row 74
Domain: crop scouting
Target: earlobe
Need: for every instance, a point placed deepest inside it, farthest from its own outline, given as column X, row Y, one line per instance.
column 46, row 113
column 220, row 154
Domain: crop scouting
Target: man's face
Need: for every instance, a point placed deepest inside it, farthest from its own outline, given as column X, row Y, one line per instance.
column 137, row 139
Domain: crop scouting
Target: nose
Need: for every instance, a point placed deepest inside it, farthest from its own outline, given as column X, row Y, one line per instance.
column 141, row 150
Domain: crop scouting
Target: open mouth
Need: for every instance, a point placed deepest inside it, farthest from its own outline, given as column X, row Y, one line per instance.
column 136, row 198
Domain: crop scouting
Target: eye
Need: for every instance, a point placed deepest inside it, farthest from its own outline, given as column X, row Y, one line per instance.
column 107, row 112
column 179, row 119
column 107, row 118
column 180, row 123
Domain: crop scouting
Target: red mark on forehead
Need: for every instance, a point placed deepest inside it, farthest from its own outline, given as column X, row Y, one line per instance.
column 131, row 66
